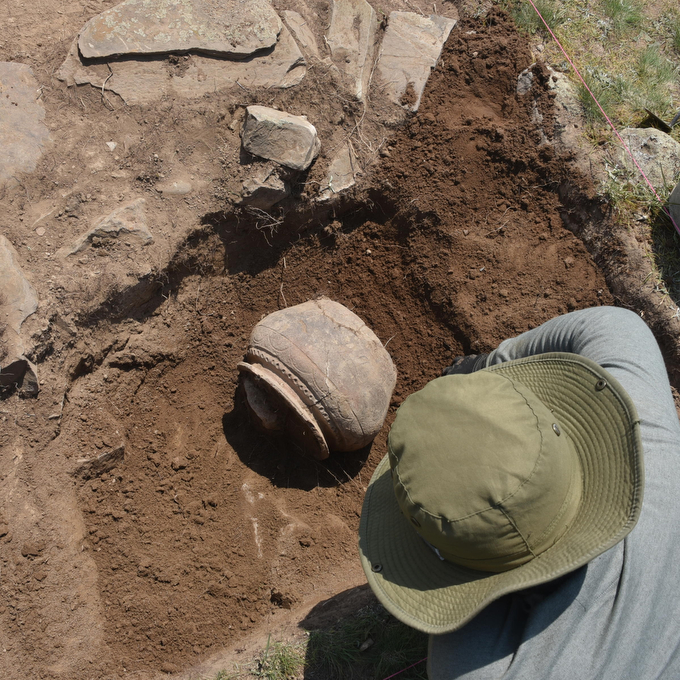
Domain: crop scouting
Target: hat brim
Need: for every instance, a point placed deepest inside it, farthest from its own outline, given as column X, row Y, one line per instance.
column 592, row 408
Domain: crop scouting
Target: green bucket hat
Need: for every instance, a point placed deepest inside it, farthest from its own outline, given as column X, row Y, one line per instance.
column 498, row 481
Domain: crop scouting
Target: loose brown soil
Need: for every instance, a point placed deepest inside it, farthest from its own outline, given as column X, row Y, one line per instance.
column 207, row 528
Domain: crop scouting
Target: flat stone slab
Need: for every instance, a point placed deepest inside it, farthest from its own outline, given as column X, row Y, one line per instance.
column 23, row 133
column 657, row 153
column 409, row 51
column 129, row 219
column 280, row 137
column 301, row 30
column 351, row 38
column 227, row 28
column 17, row 301
column 341, row 173
column 143, row 82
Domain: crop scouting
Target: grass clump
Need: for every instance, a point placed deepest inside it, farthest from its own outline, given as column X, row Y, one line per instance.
column 528, row 20
column 368, row 646
column 637, row 207
column 280, row 661
column 675, row 33
column 624, row 14
column 629, row 60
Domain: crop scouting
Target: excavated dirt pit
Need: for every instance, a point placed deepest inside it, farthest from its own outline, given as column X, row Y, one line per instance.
column 206, row 526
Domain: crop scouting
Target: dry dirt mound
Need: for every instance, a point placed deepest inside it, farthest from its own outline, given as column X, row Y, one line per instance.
column 205, row 526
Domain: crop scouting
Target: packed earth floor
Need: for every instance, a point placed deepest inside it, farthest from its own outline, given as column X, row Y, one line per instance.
column 201, row 528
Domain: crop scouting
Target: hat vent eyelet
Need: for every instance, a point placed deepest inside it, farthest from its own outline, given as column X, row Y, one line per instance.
column 377, row 568
column 414, row 521
column 556, row 429
column 600, row 385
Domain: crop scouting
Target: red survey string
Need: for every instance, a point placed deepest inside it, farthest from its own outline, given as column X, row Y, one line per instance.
column 404, row 669
column 559, row 44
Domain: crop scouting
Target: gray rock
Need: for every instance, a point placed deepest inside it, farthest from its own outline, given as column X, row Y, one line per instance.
column 657, row 154
column 230, row 28
column 17, row 301
column 143, row 82
column 409, row 51
column 674, row 205
column 302, row 32
column 13, row 372
column 23, row 133
column 567, row 124
column 178, row 187
column 23, row 374
column 129, row 219
column 525, row 81
column 29, row 386
column 264, row 189
column 341, row 173
column 279, row 136
column 351, row 38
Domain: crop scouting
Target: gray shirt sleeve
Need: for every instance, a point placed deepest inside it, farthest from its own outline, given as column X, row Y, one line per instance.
column 618, row 616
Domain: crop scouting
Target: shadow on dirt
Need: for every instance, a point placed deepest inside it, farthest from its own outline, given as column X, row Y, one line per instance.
column 351, row 635
column 281, row 460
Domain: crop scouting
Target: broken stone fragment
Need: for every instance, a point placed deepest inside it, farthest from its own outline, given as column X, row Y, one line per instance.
column 264, row 188
column 228, row 28
column 351, row 38
column 129, row 219
column 29, row 386
column 341, row 173
column 178, row 187
column 23, row 375
column 409, row 51
column 23, row 133
column 525, row 81
column 301, row 31
column 13, row 372
column 17, row 301
column 279, row 136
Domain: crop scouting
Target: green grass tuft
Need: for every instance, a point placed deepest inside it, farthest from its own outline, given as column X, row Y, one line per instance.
column 280, row 661
column 624, row 14
column 370, row 645
column 675, row 32
column 527, row 20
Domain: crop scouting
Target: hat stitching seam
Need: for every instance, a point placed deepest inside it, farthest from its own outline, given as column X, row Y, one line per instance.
column 520, row 534
column 502, row 500
column 575, row 477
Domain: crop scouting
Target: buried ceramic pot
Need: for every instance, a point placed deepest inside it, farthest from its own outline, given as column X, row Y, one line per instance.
column 318, row 373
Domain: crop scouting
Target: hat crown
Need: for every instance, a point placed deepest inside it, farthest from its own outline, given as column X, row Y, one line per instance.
column 483, row 470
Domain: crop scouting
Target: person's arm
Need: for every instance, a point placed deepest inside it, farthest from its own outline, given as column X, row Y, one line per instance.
column 616, row 339
column 500, row 642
